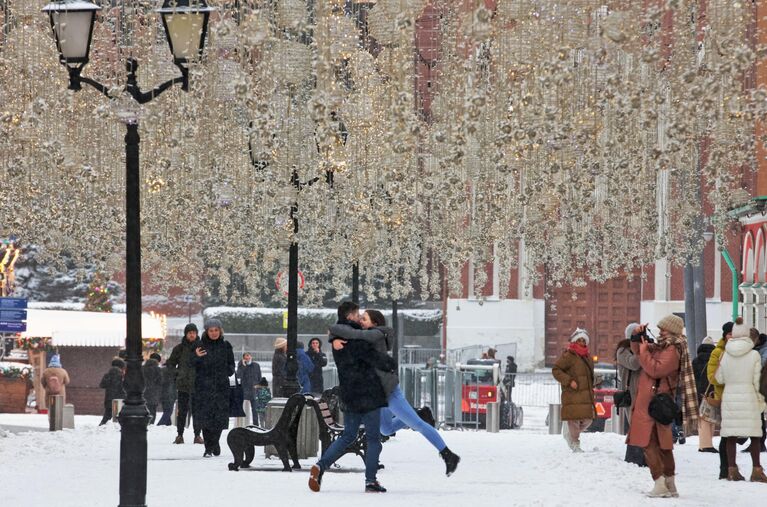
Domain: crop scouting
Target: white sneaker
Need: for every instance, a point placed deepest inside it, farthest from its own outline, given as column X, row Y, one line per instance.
column 659, row 490
column 576, row 447
column 566, row 434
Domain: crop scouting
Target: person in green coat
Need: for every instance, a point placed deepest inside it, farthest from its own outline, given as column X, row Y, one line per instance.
column 184, row 373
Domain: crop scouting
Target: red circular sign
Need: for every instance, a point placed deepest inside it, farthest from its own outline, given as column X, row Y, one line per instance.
column 278, row 281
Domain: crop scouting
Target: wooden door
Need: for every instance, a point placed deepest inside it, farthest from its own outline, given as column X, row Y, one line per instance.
column 604, row 310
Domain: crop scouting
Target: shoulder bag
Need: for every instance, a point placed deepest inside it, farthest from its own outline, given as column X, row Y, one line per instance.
column 663, row 407
column 710, row 408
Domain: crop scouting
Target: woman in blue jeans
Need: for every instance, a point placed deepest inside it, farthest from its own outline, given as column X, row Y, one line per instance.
column 399, row 414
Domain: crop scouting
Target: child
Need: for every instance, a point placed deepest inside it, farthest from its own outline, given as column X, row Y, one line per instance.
column 263, row 395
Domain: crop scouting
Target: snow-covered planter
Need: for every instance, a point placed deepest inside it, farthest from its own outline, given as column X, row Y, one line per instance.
column 14, row 387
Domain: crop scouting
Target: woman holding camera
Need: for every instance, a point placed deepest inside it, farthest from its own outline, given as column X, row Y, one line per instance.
column 574, row 370
column 663, row 364
column 742, row 403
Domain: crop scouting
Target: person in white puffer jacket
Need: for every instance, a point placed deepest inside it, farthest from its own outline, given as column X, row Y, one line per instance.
column 742, row 403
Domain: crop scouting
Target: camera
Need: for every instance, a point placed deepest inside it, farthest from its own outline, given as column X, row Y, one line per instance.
column 645, row 333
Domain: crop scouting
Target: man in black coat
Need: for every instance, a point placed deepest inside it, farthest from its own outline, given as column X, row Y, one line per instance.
column 112, row 384
column 214, row 362
column 167, row 395
column 363, row 396
column 183, row 372
column 152, row 384
column 249, row 375
column 320, row 360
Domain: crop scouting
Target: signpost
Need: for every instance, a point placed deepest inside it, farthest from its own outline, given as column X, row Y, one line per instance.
column 13, row 315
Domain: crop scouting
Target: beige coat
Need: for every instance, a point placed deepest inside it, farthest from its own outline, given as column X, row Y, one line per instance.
column 63, row 377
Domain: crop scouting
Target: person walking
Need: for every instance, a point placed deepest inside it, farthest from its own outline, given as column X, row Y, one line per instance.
column 305, row 369
column 363, row 396
column 112, row 384
column 320, row 360
column 574, row 370
column 167, row 395
column 152, row 384
column 628, row 372
column 711, row 367
column 665, row 366
column 279, row 361
column 184, row 373
column 263, row 396
column 399, row 414
column 54, row 380
column 742, row 403
column 699, row 364
column 249, row 374
column 214, row 362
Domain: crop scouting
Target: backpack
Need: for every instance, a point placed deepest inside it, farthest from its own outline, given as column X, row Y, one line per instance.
column 54, row 385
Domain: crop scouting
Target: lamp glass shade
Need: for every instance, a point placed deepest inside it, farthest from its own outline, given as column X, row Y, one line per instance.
column 185, row 32
column 73, row 32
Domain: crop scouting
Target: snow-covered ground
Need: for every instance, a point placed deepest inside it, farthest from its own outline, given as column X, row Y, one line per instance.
column 511, row 468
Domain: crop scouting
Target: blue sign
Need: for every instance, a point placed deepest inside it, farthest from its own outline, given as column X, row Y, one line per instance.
column 13, row 303
column 12, row 327
column 13, row 315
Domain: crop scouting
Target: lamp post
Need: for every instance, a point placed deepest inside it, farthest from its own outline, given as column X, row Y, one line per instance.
column 186, row 25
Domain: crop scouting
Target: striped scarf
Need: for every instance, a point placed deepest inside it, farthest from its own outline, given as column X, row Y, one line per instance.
column 687, row 382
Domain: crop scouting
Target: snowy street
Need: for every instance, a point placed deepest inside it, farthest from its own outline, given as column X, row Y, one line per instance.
column 80, row 467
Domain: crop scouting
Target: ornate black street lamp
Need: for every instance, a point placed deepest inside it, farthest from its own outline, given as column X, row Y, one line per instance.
column 186, row 26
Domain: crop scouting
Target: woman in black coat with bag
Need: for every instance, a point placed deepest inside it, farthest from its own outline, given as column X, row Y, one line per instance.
column 214, row 362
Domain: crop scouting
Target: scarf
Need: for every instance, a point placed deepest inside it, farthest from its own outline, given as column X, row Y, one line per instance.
column 580, row 349
column 686, row 382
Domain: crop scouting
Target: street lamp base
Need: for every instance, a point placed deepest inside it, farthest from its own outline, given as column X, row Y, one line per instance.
column 134, row 420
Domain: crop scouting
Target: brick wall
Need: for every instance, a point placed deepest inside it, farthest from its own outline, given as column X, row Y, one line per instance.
column 86, row 366
column 13, row 395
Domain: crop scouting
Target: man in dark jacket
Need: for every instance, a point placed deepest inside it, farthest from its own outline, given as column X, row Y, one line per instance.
column 249, row 375
column 152, row 384
column 112, row 384
column 320, row 360
column 167, row 395
column 363, row 396
column 184, row 374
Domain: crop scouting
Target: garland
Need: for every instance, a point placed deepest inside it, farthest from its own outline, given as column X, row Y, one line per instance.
column 35, row 343
column 9, row 370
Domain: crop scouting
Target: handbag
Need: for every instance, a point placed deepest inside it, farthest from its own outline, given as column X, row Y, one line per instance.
column 663, row 407
column 708, row 411
column 622, row 399
column 236, row 398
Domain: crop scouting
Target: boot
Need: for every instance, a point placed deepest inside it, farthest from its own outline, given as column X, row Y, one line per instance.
column 734, row 475
column 451, row 460
column 179, row 439
column 315, row 478
column 374, row 487
column 757, row 475
column 659, row 490
column 576, row 447
column 566, row 434
column 197, row 440
column 426, row 416
column 671, row 486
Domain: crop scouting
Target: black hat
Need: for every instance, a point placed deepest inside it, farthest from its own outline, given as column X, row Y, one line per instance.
column 190, row 327
column 727, row 328
column 118, row 362
column 154, row 355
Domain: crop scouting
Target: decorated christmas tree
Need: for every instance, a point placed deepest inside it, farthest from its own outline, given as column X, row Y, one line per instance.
column 98, row 295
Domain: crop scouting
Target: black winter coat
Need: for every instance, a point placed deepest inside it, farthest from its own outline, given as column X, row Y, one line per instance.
column 278, row 372
column 181, row 364
column 699, row 365
column 168, row 392
column 315, row 377
column 152, row 381
column 211, row 387
column 361, row 389
column 249, row 376
column 112, row 383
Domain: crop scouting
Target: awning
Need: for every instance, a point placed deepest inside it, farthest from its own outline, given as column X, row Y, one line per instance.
column 86, row 329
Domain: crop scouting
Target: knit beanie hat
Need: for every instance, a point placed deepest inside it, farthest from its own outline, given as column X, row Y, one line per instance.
column 213, row 323
column 630, row 329
column 579, row 333
column 674, row 324
column 740, row 330
column 708, row 341
column 190, row 327
column 280, row 342
column 727, row 328
column 55, row 361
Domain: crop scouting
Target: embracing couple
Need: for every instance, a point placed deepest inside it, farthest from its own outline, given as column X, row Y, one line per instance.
column 370, row 393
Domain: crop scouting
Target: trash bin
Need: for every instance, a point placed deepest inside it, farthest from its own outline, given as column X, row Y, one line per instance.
column 308, row 438
column 68, row 421
column 555, row 418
